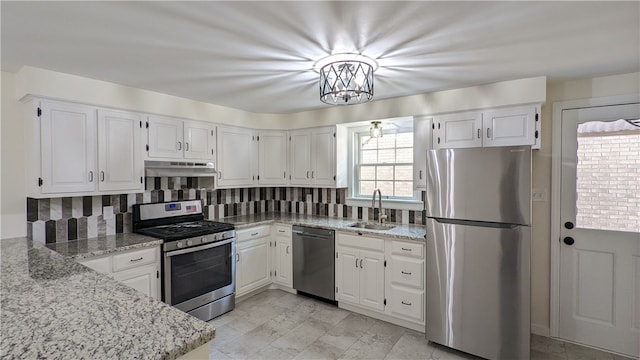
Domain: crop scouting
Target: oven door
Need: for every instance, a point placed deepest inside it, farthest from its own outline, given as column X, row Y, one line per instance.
column 199, row 275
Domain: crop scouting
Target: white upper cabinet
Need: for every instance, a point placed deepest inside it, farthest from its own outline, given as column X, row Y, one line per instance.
column 237, row 152
column 509, row 126
column 421, row 144
column 171, row 138
column 68, row 148
column 273, row 164
column 119, row 151
column 300, row 150
column 80, row 150
column 313, row 157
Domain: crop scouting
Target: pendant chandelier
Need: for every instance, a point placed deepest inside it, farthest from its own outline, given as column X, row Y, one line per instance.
column 346, row 79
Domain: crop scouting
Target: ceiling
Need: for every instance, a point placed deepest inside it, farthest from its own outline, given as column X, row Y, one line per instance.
column 259, row 56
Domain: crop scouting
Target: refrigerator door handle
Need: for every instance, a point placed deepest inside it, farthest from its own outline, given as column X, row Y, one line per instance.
column 476, row 223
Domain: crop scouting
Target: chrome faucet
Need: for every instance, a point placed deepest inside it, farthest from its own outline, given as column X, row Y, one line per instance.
column 381, row 217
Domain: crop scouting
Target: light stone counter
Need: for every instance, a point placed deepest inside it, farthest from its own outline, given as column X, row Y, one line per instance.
column 86, row 248
column 52, row 307
column 400, row 231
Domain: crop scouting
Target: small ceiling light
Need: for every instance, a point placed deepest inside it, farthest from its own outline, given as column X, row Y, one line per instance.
column 375, row 130
column 346, row 79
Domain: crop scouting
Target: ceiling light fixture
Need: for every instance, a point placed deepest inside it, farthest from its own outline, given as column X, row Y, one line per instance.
column 346, row 79
column 376, row 129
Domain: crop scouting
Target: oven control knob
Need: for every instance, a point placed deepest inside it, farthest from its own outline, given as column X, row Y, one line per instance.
column 215, row 236
column 179, row 244
column 203, row 240
column 189, row 242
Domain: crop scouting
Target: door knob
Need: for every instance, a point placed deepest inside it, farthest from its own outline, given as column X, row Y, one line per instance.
column 568, row 225
column 568, row 240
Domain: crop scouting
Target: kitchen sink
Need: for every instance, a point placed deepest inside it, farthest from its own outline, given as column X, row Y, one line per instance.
column 372, row 226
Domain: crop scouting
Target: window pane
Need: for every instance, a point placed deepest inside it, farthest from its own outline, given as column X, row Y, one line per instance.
column 404, row 155
column 404, row 188
column 384, row 173
column 404, row 139
column 404, row 173
column 387, row 156
column 386, row 187
column 368, row 157
column 367, row 173
column 368, row 143
column 367, row 187
column 387, row 141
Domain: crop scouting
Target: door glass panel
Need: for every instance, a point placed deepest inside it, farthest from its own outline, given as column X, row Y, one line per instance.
column 197, row 273
column 608, row 169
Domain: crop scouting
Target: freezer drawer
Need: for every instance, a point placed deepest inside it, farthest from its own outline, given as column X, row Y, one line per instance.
column 478, row 289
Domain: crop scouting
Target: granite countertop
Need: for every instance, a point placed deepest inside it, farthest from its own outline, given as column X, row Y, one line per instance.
column 400, row 231
column 52, row 307
column 86, row 248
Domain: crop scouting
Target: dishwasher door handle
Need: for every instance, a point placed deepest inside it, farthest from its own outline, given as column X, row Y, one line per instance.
column 304, row 235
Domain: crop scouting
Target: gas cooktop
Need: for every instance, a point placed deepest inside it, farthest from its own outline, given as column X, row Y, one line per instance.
column 185, row 230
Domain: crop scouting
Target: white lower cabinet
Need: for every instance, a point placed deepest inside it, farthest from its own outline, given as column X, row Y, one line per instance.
column 253, row 257
column 139, row 269
column 283, row 258
column 360, row 270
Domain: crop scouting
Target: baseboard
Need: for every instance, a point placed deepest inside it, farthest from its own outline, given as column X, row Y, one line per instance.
column 541, row 330
column 382, row 316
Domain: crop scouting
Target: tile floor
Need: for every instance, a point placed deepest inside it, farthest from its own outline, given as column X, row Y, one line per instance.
column 278, row 325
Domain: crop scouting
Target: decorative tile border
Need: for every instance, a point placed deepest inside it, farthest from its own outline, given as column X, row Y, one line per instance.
column 71, row 218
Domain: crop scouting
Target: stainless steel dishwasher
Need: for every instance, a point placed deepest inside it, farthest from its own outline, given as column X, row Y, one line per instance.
column 314, row 261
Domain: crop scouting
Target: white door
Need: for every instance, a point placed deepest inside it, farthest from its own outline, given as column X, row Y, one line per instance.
column 348, row 275
column 323, row 156
column 300, row 147
column 372, row 279
column 165, row 137
column 254, row 265
column 143, row 278
column 284, row 264
column 509, row 126
column 119, row 154
column 421, row 143
column 236, row 156
column 199, row 141
column 272, row 166
column 68, row 147
column 460, row 130
column 600, row 229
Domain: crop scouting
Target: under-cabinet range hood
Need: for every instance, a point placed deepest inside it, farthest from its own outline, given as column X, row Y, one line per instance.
column 179, row 168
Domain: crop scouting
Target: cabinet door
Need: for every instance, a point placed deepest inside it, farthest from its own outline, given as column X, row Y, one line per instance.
column 199, row 141
column 372, row 279
column 347, row 275
column 510, row 126
column 119, row 151
column 272, row 147
column 284, row 264
column 254, row 265
column 68, row 142
column 236, row 156
column 460, row 130
column 300, row 150
column 143, row 278
column 323, row 156
column 165, row 137
column 421, row 144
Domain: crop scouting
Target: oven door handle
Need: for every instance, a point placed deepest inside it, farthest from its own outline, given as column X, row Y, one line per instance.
column 198, row 248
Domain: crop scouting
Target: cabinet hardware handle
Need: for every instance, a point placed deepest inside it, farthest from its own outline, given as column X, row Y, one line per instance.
column 438, row 139
column 287, row 250
column 405, row 303
column 488, row 133
column 254, row 234
column 307, row 174
column 405, row 249
column 478, row 133
column 102, row 176
column 179, row 145
column 90, row 176
column 237, row 257
column 281, row 231
column 312, row 174
column 360, row 263
column 138, row 259
column 420, row 176
column 356, row 263
column 284, row 174
column 405, row 273
column 186, row 146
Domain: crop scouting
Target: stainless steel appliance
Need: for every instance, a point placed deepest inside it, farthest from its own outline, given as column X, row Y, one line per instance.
column 314, row 261
column 478, row 250
column 198, row 267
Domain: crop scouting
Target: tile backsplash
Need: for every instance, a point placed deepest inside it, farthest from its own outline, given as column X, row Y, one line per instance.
column 70, row 218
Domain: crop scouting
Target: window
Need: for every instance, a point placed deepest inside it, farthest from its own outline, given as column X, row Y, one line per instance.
column 384, row 163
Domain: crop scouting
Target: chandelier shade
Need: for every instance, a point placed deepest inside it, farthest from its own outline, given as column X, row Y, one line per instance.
column 346, row 79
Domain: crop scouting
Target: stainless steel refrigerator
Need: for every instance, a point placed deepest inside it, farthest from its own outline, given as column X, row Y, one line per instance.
column 478, row 250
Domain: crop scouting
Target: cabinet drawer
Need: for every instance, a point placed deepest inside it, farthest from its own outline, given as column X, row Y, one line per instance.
column 134, row 259
column 360, row 241
column 101, row 265
column 252, row 233
column 407, row 272
column 407, row 249
column 407, row 303
column 282, row 230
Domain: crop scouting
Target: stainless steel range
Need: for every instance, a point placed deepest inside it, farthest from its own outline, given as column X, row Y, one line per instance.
column 198, row 262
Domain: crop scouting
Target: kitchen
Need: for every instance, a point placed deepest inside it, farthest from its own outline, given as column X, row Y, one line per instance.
column 253, row 197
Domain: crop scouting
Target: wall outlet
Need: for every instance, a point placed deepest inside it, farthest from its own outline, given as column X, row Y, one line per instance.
column 539, row 194
column 107, row 212
column 309, row 198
